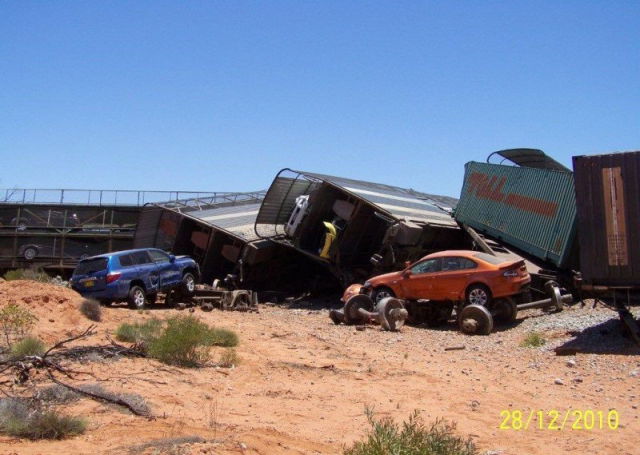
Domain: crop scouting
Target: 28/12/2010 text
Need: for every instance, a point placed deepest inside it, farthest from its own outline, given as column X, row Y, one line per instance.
column 571, row 419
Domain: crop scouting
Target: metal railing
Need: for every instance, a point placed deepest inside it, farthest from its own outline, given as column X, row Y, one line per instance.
column 107, row 197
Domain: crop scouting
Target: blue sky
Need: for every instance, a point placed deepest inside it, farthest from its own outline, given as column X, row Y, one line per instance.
column 219, row 95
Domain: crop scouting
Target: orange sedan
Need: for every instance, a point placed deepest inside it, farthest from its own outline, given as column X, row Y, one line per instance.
column 465, row 276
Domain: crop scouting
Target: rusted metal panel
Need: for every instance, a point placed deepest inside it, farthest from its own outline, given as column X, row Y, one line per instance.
column 532, row 210
column 608, row 203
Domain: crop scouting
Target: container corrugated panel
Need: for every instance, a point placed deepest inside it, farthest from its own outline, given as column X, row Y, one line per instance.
column 533, row 210
column 608, row 200
column 147, row 227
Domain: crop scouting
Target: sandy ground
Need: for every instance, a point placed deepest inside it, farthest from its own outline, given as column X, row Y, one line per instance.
column 303, row 384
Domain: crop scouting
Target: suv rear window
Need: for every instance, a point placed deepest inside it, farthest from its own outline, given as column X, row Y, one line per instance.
column 90, row 266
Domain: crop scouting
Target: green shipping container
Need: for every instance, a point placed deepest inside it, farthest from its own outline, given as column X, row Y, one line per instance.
column 533, row 210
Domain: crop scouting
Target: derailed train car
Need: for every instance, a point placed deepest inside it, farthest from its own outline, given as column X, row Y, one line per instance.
column 582, row 227
column 355, row 228
column 220, row 236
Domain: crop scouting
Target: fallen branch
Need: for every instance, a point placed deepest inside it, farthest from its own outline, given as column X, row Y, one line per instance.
column 88, row 332
column 102, row 398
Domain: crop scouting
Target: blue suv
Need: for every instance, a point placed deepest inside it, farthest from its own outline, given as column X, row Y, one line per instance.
column 135, row 276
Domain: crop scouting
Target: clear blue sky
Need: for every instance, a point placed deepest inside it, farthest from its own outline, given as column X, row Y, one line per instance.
column 219, row 95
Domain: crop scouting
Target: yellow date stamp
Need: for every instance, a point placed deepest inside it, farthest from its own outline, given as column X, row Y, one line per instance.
column 571, row 419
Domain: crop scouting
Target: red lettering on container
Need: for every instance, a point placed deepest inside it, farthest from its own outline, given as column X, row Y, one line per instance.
column 491, row 188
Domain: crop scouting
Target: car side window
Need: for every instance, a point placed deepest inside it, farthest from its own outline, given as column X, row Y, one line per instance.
column 468, row 264
column 125, row 260
column 428, row 266
column 450, row 264
column 140, row 257
column 158, row 256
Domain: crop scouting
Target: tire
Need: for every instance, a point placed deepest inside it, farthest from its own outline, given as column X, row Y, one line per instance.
column 188, row 284
column 475, row 320
column 478, row 294
column 505, row 310
column 137, row 298
column 381, row 293
column 30, row 253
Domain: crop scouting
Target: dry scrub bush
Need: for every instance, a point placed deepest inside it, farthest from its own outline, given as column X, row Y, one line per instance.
column 91, row 309
column 26, row 347
column 411, row 438
column 15, row 323
column 139, row 332
column 229, row 358
column 19, row 418
column 27, row 274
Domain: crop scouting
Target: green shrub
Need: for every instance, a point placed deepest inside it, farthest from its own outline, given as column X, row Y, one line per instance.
column 222, row 337
column 185, row 341
column 27, row 274
column 412, row 438
column 15, row 322
column 533, row 340
column 229, row 358
column 139, row 332
column 91, row 309
column 26, row 347
column 181, row 340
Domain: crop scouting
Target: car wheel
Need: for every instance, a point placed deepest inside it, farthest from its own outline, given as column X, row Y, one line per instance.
column 505, row 310
column 475, row 320
column 30, row 253
column 188, row 284
column 137, row 298
column 381, row 293
column 478, row 294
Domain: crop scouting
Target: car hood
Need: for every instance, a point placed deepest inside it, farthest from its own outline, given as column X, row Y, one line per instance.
column 385, row 278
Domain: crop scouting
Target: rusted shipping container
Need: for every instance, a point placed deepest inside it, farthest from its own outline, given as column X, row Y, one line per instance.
column 608, row 203
column 533, row 210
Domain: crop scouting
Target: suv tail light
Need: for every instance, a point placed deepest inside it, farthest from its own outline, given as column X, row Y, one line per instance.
column 111, row 277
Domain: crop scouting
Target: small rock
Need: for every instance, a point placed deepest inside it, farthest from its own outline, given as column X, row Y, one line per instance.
column 634, row 374
column 571, row 363
column 577, row 380
column 558, row 381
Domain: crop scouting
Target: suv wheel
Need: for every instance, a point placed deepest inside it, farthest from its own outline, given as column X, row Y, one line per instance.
column 137, row 298
column 188, row 284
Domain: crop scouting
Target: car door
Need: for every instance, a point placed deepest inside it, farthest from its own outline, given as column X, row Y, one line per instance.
column 147, row 270
column 417, row 282
column 452, row 280
column 168, row 271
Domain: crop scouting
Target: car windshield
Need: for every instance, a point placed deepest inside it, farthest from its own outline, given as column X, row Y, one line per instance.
column 488, row 258
column 90, row 266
